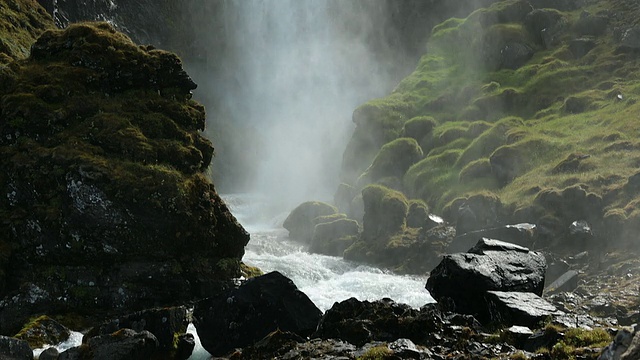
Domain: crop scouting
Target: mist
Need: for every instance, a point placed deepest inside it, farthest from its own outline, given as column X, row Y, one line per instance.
column 282, row 85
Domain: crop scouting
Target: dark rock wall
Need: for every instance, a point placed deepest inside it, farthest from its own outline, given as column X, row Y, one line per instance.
column 106, row 206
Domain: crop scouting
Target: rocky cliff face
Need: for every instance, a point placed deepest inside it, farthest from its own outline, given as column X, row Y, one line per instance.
column 105, row 204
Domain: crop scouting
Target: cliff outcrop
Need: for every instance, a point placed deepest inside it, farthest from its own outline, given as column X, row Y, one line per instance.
column 106, row 207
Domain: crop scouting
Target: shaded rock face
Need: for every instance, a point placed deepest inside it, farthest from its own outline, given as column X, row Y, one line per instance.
column 125, row 344
column 245, row 315
column 521, row 308
column 43, row 330
column 360, row 322
column 21, row 22
column 105, row 205
column 163, row 323
column 14, row 349
column 461, row 280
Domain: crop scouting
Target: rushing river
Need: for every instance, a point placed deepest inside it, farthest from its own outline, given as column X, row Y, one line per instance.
column 325, row 279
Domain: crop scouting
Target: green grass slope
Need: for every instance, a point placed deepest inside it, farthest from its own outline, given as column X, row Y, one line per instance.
column 535, row 106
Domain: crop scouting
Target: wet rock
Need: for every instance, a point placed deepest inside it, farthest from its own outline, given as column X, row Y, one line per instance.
column 360, row 322
column 163, row 323
column 520, row 308
column 43, row 330
column 245, row 315
column 125, row 218
column 49, row 354
column 124, row 344
column 14, row 349
column 462, row 279
column 333, row 238
column 185, row 346
column 566, row 282
column 302, row 220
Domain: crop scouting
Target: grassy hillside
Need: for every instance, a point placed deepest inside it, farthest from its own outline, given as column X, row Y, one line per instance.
column 538, row 108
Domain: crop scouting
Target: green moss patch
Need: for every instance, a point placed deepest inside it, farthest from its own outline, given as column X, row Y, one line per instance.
column 554, row 121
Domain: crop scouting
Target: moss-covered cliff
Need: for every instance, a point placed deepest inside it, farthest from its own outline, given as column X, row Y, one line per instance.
column 524, row 111
column 106, row 205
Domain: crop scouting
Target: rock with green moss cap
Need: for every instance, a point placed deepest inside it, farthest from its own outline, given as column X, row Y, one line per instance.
column 43, row 330
column 392, row 161
column 302, row 220
column 385, row 212
column 333, row 238
column 106, row 207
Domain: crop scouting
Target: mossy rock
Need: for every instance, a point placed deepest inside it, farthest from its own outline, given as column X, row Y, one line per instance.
column 385, row 212
column 343, row 197
column 333, row 238
column 394, row 159
column 302, row 220
column 21, row 22
column 418, row 127
column 43, row 330
column 104, row 163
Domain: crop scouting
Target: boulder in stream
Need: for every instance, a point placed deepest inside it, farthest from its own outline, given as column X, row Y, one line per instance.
column 462, row 280
column 245, row 315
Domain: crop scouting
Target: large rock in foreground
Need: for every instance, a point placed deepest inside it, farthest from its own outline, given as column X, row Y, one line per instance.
column 462, row 280
column 245, row 315
column 105, row 206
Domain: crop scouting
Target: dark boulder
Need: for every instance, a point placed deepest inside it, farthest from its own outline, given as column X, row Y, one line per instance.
column 245, row 315
column 623, row 344
column 462, row 280
column 124, row 344
column 184, row 347
column 49, row 354
column 14, row 349
column 360, row 322
column 518, row 308
column 163, row 323
column 43, row 330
